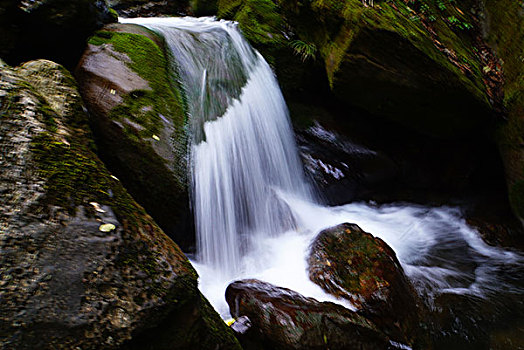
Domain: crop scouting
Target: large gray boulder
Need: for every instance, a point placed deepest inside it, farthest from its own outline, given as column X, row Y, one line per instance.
column 81, row 264
column 138, row 121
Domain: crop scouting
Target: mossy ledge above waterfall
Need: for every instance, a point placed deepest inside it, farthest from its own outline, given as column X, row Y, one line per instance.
column 82, row 264
column 412, row 63
column 139, row 121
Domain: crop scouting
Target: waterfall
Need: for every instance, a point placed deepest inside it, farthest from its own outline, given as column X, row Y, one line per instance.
column 255, row 215
column 243, row 156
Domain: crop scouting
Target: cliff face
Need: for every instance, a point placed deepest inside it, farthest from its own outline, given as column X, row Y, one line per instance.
column 441, row 69
column 504, row 30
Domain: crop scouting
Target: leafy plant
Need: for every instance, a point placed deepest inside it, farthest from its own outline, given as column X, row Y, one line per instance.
column 303, row 49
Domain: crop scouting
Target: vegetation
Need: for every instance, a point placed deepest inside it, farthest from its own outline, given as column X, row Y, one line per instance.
column 149, row 62
column 148, row 107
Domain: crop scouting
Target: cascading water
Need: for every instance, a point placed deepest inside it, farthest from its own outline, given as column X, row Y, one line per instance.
column 242, row 151
column 255, row 215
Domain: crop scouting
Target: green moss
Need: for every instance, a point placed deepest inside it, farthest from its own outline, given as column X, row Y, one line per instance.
column 146, row 107
column 364, row 260
column 332, row 25
column 114, row 15
column 74, row 176
column 149, row 62
column 259, row 20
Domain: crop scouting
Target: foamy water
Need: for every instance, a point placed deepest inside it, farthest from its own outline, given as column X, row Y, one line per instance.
column 256, row 216
column 437, row 249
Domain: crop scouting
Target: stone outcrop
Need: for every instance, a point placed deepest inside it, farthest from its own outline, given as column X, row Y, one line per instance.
column 352, row 264
column 138, row 122
column 82, row 264
column 284, row 319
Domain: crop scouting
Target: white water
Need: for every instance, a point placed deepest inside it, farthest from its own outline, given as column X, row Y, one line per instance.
column 254, row 213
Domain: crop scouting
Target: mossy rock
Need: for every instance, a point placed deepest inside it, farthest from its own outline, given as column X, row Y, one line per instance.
column 203, row 7
column 139, row 122
column 352, row 264
column 505, row 32
column 382, row 58
column 83, row 265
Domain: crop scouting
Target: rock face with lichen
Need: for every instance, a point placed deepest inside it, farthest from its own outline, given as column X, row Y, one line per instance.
column 352, row 264
column 82, row 265
column 138, row 121
column 284, row 319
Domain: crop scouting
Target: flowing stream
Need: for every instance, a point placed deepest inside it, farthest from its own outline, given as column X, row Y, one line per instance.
column 256, row 215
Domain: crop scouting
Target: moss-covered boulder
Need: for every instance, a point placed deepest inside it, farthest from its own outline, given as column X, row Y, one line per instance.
column 413, row 64
column 138, row 121
column 52, row 29
column 82, row 265
column 504, row 27
column 352, row 264
column 284, row 319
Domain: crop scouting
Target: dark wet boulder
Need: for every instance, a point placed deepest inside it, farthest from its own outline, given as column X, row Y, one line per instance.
column 150, row 8
column 158, row 8
column 341, row 168
column 352, row 264
column 284, row 319
column 82, row 264
column 467, row 321
column 504, row 30
column 52, row 29
column 138, row 122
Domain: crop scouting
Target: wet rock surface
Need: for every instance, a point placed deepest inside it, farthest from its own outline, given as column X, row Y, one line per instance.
column 284, row 319
column 343, row 170
column 138, row 122
column 479, row 322
column 81, row 264
column 352, row 264
column 145, row 8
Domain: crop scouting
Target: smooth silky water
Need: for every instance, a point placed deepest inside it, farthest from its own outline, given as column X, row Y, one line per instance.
column 255, row 214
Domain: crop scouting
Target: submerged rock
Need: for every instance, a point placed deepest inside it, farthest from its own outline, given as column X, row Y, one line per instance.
column 284, row 319
column 65, row 283
column 138, row 122
column 352, row 264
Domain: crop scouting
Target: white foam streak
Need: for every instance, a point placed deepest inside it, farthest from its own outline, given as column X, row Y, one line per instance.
column 254, row 213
